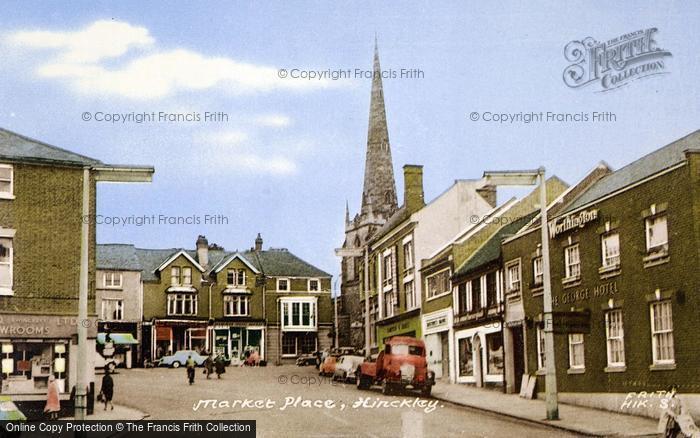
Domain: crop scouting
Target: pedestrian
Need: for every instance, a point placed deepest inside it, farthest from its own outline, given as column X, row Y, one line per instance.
column 208, row 366
column 53, row 404
column 107, row 389
column 190, row 369
column 220, row 366
column 675, row 419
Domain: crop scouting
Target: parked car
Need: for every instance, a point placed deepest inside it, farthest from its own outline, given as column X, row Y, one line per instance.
column 346, row 366
column 308, row 359
column 109, row 363
column 400, row 365
column 328, row 366
column 179, row 358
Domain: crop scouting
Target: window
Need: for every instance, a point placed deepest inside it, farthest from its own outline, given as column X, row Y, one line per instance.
column 6, row 255
column 656, row 233
column 113, row 280
column 182, row 304
column 298, row 314
column 388, row 305
column 314, row 285
column 289, row 344
column 6, row 178
column 538, row 270
column 294, row 344
column 513, row 276
column 572, row 261
column 187, row 276
column 438, row 284
column 491, row 298
column 410, row 292
column 235, row 278
column 466, row 358
column 462, row 297
column 541, row 351
column 236, row 305
column 112, row 310
column 408, row 255
column 610, row 246
column 576, row 351
column 387, row 273
column 282, row 284
column 494, row 354
column 615, row 336
column 662, row 332
column 175, row 276
column 476, row 293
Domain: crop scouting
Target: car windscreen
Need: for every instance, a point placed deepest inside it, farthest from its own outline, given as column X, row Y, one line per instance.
column 405, row 350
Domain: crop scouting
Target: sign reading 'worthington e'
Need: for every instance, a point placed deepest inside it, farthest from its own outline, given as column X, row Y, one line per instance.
column 578, row 220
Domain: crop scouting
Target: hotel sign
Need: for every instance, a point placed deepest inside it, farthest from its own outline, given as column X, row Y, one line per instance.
column 572, row 221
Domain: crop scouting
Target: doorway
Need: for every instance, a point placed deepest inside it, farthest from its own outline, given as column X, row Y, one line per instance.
column 518, row 356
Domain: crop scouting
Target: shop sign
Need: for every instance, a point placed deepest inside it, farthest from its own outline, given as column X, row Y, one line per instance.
column 43, row 326
column 572, row 221
column 571, row 322
column 436, row 322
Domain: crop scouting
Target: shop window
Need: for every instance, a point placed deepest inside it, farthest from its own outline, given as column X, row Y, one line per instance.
column 610, row 246
column 26, row 367
column 466, row 357
column 572, row 262
column 656, row 233
column 662, row 333
column 289, row 344
column 494, row 354
column 615, row 336
column 6, row 268
column 576, row 351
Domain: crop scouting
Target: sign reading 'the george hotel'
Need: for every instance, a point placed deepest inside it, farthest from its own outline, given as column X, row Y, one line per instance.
column 577, row 220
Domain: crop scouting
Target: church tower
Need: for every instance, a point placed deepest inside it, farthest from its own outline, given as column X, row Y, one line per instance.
column 378, row 204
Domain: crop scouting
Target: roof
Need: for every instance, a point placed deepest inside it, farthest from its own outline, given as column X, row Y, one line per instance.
column 648, row 165
column 118, row 257
column 490, row 251
column 16, row 147
column 272, row 262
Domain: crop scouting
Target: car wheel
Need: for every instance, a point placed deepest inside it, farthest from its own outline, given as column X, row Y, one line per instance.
column 176, row 364
column 426, row 390
column 361, row 381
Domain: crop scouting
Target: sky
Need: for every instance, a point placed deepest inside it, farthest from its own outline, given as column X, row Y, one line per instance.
column 290, row 150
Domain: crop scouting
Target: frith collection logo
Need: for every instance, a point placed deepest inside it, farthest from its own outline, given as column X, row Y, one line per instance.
column 616, row 62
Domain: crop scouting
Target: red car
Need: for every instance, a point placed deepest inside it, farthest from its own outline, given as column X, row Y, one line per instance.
column 401, row 365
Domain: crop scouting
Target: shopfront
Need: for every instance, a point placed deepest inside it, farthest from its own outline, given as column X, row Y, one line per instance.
column 436, row 331
column 405, row 326
column 170, row 336
column 480, row 358
column 36, row 347
column 234, row 341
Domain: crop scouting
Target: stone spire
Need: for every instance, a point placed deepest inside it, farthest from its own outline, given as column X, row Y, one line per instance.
column 379, row 191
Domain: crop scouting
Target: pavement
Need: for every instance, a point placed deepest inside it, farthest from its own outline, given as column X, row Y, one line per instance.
column 300, row 403
column 119, row 412
column 576, row 419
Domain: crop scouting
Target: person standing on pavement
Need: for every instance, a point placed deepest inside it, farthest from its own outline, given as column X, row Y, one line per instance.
column 53, row 404
column 107, row 389
column 208, row 366
column 190, row 369
column 220, row 366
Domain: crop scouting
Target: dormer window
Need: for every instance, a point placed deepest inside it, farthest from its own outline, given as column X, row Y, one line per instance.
column 6, row 181
column 235, row 278
column 187, row 276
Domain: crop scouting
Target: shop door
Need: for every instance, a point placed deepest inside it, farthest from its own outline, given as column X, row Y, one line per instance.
column 445, row 354
column 433, row 346
column 518, row 356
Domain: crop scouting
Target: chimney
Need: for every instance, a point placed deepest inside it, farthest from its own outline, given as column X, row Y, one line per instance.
column 413, row 187
column 489, row 194
column 203, row 251
column 258, row 243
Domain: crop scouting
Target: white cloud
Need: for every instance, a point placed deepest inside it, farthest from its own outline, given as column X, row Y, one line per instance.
column 95, row 61
column 276, row 165
column 273, row 120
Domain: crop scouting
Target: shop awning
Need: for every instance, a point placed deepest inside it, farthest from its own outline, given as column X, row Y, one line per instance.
column 9, row 411
column 117, row 338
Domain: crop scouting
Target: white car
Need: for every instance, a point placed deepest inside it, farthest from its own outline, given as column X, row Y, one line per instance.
column 346, row 366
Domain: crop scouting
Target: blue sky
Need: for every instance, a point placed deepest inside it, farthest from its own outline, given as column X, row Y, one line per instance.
column 292, row 150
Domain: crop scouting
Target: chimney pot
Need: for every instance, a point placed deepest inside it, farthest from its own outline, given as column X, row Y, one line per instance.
column 203, row 251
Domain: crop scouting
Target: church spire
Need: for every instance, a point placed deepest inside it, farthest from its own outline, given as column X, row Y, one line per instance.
column 379, row 191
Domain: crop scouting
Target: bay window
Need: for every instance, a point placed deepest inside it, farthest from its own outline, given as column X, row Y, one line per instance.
column 236, row 305
column 299, row 314
column 182, row 304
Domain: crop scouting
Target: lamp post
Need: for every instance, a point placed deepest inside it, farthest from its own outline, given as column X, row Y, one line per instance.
column 530, row 178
